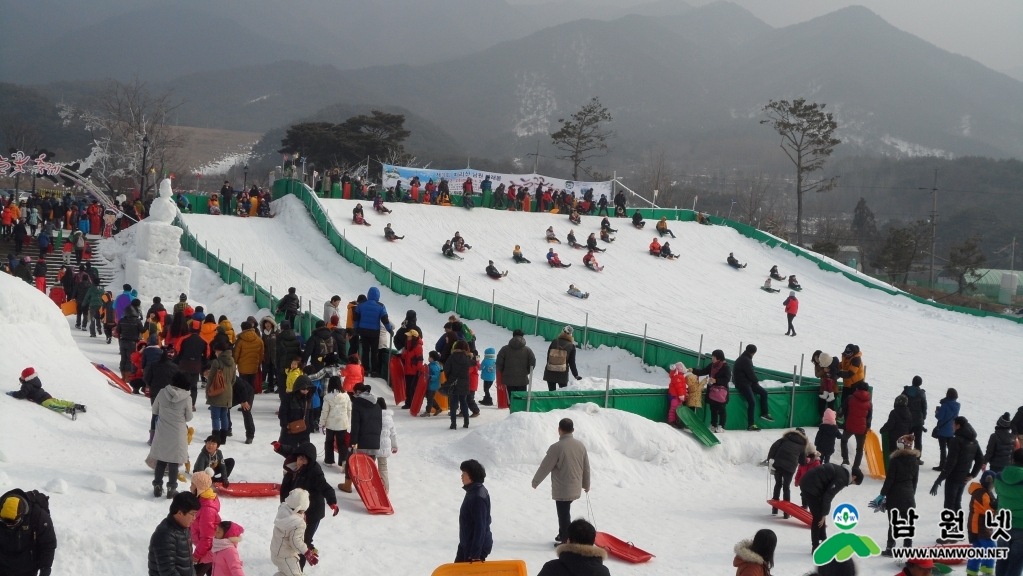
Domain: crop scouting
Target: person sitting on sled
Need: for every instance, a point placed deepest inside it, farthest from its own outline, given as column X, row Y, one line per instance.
column 378, row 205
column 655, row 247
column 493, row 272
column 575, row 218
column 662, row 227
column 553, row 259
column 357, row 216
column 591, row 261
column 605, row 236
column 666, row 251
column 571, row 239
column 637, row 220
column 733, row 262
column 575, row 291
column 591, row 243
column 551, row 237
column 701, row 218
column 459, row 243
column 518, row 257
column 390, row 235
column 767, row 286
column 605, row 224
column 793, row 283
column 447, row 249
column 32, row 390
column 775, row 274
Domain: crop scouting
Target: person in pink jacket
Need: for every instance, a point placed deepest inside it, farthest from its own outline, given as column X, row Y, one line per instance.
column 204, row 528
column 226, row 561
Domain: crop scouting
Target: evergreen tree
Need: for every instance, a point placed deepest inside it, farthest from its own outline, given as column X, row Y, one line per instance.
column 963, row 261
column 583, row 136
column 903, row 250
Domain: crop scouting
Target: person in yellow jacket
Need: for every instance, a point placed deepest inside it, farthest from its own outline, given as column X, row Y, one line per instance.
column 852, row 372
column 248, row 353
column 208, row 331
column 228, row 328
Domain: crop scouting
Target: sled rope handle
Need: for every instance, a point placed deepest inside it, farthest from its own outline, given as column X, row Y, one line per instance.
column 589, row 511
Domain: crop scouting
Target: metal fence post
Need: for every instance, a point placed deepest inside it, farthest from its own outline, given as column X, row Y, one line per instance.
column 586, row 329
column 642, row 354
column 390, row 276
column 607, row 385
column 792, row 402
column 699, row 355
column 229, row 261
column 529, row 392
column 367, row 258
column 206, row 251
column 536, row 323
column 802, row 357
column 458, row 288
column 422, row 289
column 493, row 296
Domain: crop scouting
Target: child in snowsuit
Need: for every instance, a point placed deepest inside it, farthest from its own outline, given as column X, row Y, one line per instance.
column 788, row 453
column 488, row 373
column 335, row 419
column 694, row 390
column 677, row 392
column 388, row 442
column 975, row 567
column 287, row 543
column 813, row 461
column 981, row 501
column 433, row 384
column 827, row 433
column 226, row 561
column 353, row 374
column 32, row 390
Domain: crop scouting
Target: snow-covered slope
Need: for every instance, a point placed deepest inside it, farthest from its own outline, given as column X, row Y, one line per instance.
column 700, row 294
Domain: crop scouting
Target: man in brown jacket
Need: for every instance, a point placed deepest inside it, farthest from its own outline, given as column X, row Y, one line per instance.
column 569, row 468
column 249, row 356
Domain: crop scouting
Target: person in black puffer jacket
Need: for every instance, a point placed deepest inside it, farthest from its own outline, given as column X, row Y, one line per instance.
column 818, row 487
column 288, row 347
column 788, row 453
column 918, row 408
column 129, row 332
column 1000, row 445
column 560, row 360
column 900, row 422
column 158, row 376
column 456, row 371
column 365, row 427
column 578, row 556
column 294, row 407
column 27, row 539
column 192, row 355
column 401, row 335
column 963, row 451
column 170, row 547
column 301, row 470
column 899, row 489
column 747, row 383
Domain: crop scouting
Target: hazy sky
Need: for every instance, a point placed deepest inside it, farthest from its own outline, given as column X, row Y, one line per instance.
column 989, row 31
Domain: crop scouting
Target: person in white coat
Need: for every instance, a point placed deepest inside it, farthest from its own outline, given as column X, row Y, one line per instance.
column 287, row 543
column 335, row 418
column 388, row 442
column 173, row 409
column 332, row 308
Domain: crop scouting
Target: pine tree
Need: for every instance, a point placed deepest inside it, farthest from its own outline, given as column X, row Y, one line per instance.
column 583, row 136
column 903, row 249
column 963, row 261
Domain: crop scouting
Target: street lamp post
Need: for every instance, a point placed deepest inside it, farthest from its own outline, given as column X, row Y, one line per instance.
column 245, row 180
column 145, row 177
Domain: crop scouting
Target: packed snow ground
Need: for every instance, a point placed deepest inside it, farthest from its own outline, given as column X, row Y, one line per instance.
column 651, row 484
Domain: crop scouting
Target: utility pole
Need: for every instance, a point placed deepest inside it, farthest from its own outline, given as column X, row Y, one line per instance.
column 934, row 220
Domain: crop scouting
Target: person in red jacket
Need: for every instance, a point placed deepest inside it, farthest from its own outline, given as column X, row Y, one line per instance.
column 677, row 391
column 791, row 305
column 857, row 422
column 412, row 363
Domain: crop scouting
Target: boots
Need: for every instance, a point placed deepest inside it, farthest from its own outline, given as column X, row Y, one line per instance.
column 346, row 487
column 453, row 425
column 223, row 437
column 465, row 421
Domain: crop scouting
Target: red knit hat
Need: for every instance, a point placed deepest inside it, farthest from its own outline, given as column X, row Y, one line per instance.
column 28, row 373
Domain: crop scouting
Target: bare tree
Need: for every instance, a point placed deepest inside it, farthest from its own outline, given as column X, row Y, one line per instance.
column 119, row 118
column 659, row 177
column 755, row 198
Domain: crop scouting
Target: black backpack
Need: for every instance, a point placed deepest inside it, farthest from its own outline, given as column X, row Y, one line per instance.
column 326, row 346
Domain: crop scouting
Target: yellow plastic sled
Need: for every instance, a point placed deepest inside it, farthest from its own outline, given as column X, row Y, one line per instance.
column 492, row 568
column 875, row 457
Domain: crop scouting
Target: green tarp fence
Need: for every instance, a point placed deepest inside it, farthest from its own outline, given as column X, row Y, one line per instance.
column 653, row 404
column 652, row 352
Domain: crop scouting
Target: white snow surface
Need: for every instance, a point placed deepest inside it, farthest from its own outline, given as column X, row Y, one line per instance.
column 652, row 485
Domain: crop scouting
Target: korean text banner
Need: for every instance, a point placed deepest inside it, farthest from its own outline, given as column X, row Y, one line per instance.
column 455, row 178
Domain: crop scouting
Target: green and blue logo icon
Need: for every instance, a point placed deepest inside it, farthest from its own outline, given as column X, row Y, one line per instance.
column 845, row 544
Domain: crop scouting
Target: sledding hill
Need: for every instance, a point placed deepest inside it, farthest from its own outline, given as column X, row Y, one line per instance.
column 697, row 294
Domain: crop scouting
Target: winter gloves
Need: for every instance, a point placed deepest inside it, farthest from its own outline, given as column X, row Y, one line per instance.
column 934, row 489
column 878, row 504
column 311, row 557
column 335, row 509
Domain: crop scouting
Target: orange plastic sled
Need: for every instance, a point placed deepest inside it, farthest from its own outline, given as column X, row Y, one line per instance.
column 367, row 482
column 793, row 510
column 621, row 549
column 396, row 371
column 114, row 380
column 491, row 568
column 875, row 457
column 250, row 490
column 69, row 308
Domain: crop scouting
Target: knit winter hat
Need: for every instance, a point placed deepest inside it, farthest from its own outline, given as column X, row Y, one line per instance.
column 792, row 293
column 126, row 287
column 679, row 367
column 13, row 508
column 335, row 320
column 829, row 417
column 1004, row 422
column 567, row 330
column 234, row 531
column 901, row 400
column 201, row 482
column 298, row 500
column 183, row 297
column 906, row 442
column 412, row 334
column 28, row 373
column 825, row 359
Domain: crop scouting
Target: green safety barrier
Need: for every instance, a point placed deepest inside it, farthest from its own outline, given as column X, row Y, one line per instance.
column 653, row 404
column 652, row 352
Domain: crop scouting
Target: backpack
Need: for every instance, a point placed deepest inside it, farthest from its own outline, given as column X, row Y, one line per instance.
column 79, row 239
column 217, row 386
column 467, row 332
column 326, row 346
column 557, row 360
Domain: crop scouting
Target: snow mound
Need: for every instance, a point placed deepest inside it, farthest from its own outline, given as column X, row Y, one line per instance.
column 5, row 480
column 101, row 484
column 57, row 486
column 621, row 446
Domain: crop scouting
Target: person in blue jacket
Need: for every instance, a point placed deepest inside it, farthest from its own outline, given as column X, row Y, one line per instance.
column 123, row 301
column 475, row 540
column 367, row 317
column 488, row 373
column 433, row 384
column 945, row 412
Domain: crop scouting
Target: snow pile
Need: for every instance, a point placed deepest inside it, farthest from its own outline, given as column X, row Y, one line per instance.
column 154, row 269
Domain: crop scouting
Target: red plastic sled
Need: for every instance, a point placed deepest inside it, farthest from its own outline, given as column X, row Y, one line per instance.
column 114, row 380
column 793, row 510
column 368, row 484
column 502, row 394
column 250, row 490
column 622, row 550
column 417, row 400
column 396, row 370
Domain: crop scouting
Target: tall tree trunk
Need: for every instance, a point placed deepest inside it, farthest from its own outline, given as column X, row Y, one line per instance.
column 799, row 207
